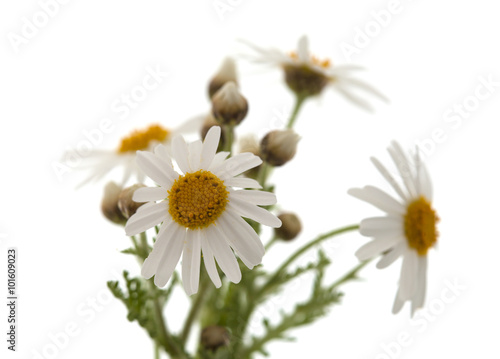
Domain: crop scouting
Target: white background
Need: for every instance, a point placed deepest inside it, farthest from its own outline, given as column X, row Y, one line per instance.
column 427, row 59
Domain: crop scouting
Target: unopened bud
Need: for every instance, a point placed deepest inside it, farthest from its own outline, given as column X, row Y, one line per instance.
column 290, row 226
column 226, row 73
column 214, row 337
column 229, row 107
column 279, row 146
column 126, row 204
column 208, row 123
column 109, row 204
column 249, row 143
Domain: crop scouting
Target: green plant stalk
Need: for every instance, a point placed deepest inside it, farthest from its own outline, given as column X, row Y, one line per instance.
column 299, row 101
column 246, row 315
column 228, row 138
column 165, row 339
column 309, row 245
column 195, row 309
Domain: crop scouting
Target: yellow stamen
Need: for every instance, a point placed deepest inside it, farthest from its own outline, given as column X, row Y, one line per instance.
column 197, row 199
column 420, row 225
column 141, row 139
column 316, row 61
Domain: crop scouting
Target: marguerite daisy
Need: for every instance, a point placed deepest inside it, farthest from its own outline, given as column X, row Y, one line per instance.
column 101, row 162
column 408, row 229
column 306, row 75
column 200, row 211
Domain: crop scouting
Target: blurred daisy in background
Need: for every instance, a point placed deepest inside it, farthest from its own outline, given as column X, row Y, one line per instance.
column 306, row 75
column 200, row 211
column 101, row 162
column 409, row 228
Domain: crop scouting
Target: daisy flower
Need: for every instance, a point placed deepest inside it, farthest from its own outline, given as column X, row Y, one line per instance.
column 101, row 162
column 200, row 211
column 306, row 75
column 407, row 230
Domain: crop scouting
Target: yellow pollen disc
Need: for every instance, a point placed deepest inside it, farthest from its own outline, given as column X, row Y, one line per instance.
column 321, row 63
column 140, row 139
column 197, row 199
column 420, row 225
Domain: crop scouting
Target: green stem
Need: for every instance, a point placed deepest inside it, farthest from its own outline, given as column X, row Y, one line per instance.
column 246, row 315
column 165, row 336
column 228, row 138
column 263, row 173
column 306, row 247
column 157, row 350
column 195, row 309
column 351, row 274
column 271, row 243
column 299, row 101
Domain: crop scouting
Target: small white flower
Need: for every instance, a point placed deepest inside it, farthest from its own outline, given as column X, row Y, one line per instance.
column 101, row 162
column 306, row 74
column 200, row 211
column 408, row 229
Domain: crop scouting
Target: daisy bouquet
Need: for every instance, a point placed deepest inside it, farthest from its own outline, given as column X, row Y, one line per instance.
column 195, row 219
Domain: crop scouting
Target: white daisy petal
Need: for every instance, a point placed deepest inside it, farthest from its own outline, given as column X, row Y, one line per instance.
column 375, row 247
column 365, row 86
column 210, row 145
column 222, row 234
column 381, row 226
column 154, row 168
column 194, row 155
column 398, row 303
column 242, row 182
column 218, row 160
column 225, row 257
column 148, row 194
column 378, row 198
column 409, row 271
column 146, row 218
column 163, row 154
column 180, row 153
column 236, row 165
column 254, row 212
column 424, row 184
column 404, row 168
column 165, row 235
column 170, row 257
column 208, row 258
column 391, row 256
column 244, row 240
column 386, row 174
column 261, row 198
column 303, row 49
column 353, row 98
column 419, row 298
column 191, row 257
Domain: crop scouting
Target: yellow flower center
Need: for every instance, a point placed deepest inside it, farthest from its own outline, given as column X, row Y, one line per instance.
column 140, row 140
column 197, row 199
column 321, row 63
column 420, row 225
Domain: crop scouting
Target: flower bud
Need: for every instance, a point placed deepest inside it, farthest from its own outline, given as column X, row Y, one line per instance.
column 290, row 226
column 226, row 73
column 250, row 144
column 126, row 204
column 214, row 337
column 279, row 146
column 208, row 123
column 109, row 204
column 304, row 80
column 229, row 107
